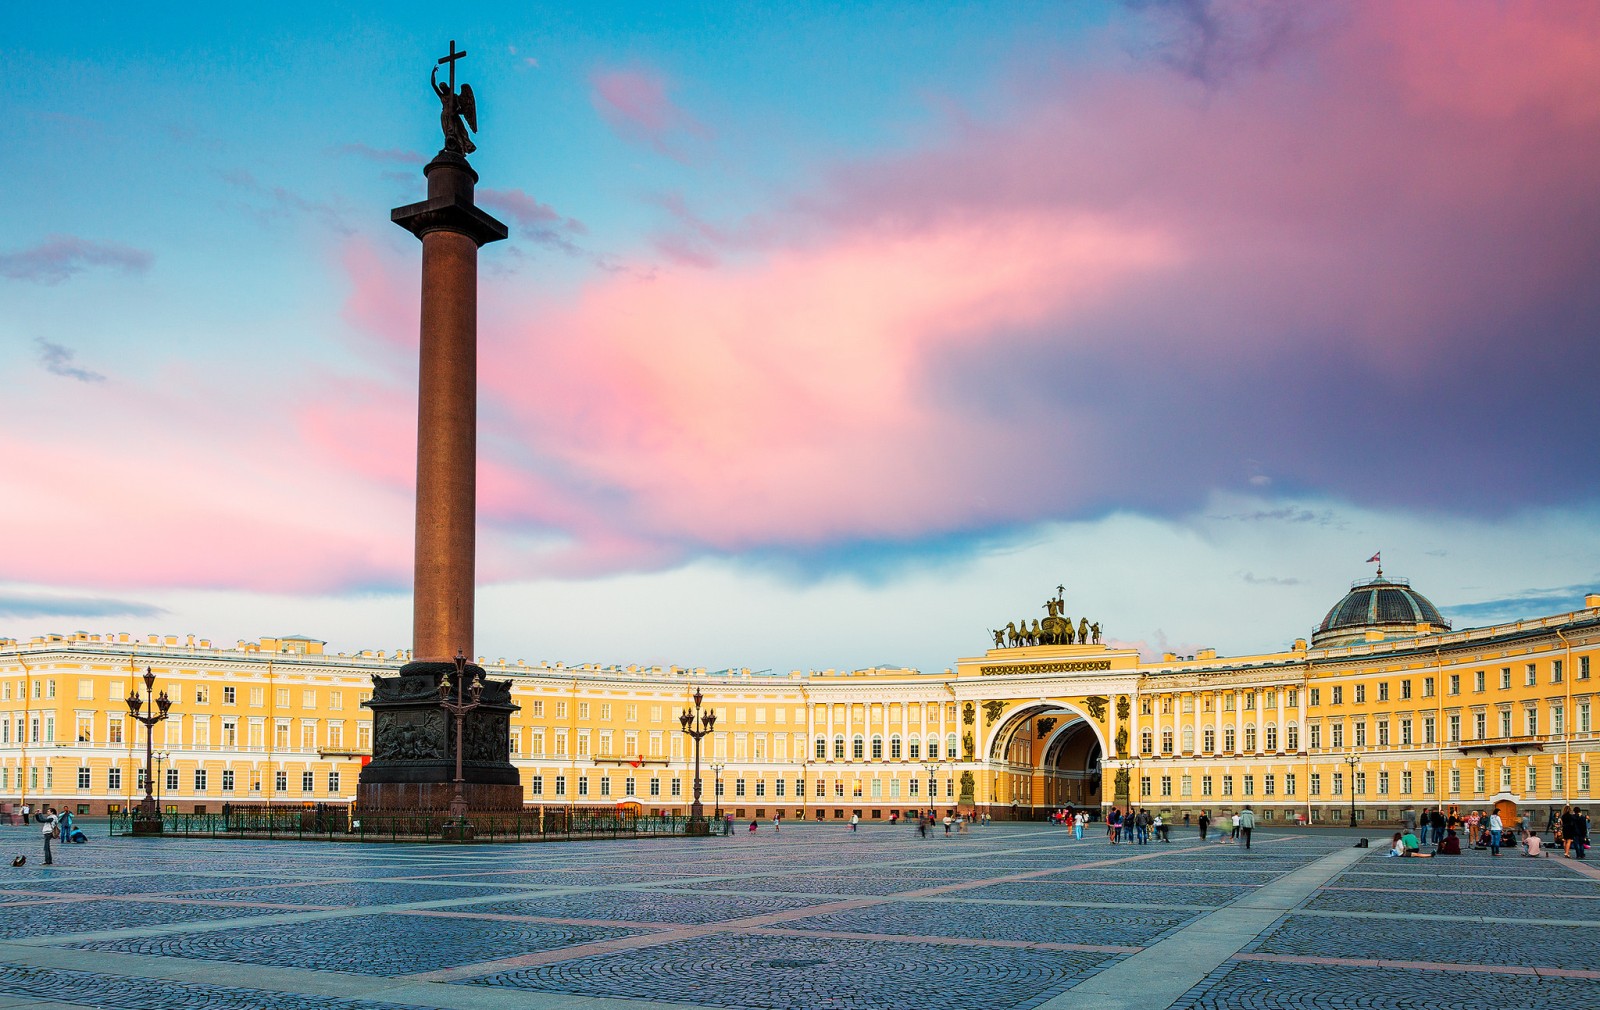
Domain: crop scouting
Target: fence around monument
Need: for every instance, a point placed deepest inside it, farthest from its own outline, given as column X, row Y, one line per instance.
column 330, row 823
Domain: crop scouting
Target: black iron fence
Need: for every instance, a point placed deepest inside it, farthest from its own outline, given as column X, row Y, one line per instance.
column 337, row 823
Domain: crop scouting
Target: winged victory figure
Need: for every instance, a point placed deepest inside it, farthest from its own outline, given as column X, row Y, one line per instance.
column 459, row 113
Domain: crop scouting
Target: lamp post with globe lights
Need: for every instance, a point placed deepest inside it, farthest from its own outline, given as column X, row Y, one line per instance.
column 467, row 689
column 149, row 709
column 698, row 724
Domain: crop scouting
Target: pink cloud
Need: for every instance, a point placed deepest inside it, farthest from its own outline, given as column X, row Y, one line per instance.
column 635, row 103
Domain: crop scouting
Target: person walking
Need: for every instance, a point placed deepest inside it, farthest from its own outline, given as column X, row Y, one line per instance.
column 1234, row 835
column 1204, row 822
column 1247, row 823
column 1424, row 825
column 49, row 832
column 1078, row 821
column 855, row 820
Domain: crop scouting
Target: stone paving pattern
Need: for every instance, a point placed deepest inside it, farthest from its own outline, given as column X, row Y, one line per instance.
column 999, row 917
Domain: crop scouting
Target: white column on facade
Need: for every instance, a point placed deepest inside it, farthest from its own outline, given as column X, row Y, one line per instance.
column 1283, row 728
column 1238, row 723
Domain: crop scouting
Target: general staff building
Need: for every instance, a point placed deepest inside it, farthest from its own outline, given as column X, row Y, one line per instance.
column 1385, row 706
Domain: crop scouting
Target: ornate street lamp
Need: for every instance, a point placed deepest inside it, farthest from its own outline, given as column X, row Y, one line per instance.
column 468, row 691
column 1352, row 759
column 932, row 769
column 698, row 724
column 148, row 709
column 716, row 770
column 161, row 758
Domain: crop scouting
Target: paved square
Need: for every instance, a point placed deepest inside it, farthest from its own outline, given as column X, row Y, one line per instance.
column 817, row 916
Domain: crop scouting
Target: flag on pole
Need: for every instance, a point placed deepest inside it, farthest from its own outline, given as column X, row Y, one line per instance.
column 1378, row 557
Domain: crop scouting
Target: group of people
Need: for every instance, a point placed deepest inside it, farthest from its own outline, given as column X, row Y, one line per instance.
column 1135, row 826
column 1488, row 830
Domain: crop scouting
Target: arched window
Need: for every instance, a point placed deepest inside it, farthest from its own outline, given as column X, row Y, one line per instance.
column 858, row 747
column 894, row 747
column 950, row 747
column 1188, row 739
column 915, row 749
column 1209, row 740
column 1272, row 736
column 1291, row 734
column 933, row 748
column 822, row 749
column 877, row 747
column 1227, row 738
column 1250, row 739
column 838, row 747
column 1147, row 742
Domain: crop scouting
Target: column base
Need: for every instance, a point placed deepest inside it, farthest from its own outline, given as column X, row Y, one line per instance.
column 379, row 798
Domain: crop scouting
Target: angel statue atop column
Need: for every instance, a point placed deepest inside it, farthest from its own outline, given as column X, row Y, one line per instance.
column 459, row 111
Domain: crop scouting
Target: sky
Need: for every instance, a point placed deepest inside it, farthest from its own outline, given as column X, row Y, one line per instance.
column 828, row 335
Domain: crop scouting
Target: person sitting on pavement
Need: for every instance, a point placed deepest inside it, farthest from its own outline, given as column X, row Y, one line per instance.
column 1412, row 843
column 1451, row 846
column 1397, row 845
column 1532, row 845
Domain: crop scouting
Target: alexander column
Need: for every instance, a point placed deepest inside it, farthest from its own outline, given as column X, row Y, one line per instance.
column 414, row 746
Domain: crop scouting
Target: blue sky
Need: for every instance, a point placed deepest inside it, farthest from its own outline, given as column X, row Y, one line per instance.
column 867, row 323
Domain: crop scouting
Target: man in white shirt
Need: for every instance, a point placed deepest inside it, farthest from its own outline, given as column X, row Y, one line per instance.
column 1495, row 827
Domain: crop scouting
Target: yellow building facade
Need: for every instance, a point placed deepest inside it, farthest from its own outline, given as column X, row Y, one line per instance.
column 1385, row 706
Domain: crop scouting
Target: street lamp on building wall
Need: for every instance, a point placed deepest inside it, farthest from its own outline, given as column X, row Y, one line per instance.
column 1352, row 759
column 698, row 724
column 148, row 709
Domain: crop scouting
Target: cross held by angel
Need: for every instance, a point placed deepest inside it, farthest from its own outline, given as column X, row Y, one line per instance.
column 459, row 110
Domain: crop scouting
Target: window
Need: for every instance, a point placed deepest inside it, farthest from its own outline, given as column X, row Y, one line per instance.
column 778, row 785
column 1405, row 689
column 738, row 787
column 1361, row 694
column 258, row 697
column 1288, row 784
column 1166, row 785
column 230, row 696
column 605, row 716
column 1429, row 781
column 1557, row 783
column 1529, row 678
column 583, row 711
column 605, row 785
column 1583, row 667
column 1316, row 783
column 308, row 781
column 1383, row 783
column 1480, row 725
column 1383, row 732
column 1427, row 729
column 1405, row 729
column 536, row 785
column 838, row 748
column 83, row 777
column 172, row 780
column 1455, row 683
column 1249, row 785
column 1316, row 735
column 1292, row 735
column 1227, row 785
column 1555, row 672
column 1455, row 780
column 877, row 748
column 1188, row 739
column 894, row 746
column 560, row 709
column 1272, row 737
column 1405, row 783
column 1479, row 780
column 1505, row 722
column 822, row 749
column 1146, row 742
column 1316, row 696
column 1205, row 785
column 1269, row 784
column 1583, row 717
column 1338, row 734
column 1479, row 679
column 1557, row 720
column 1250, row 739
column 1209, row 739
column 199, row 780
column 1227, row 738
column 1358, row 783
column 1338, row 695
column 1455, row 727
column 280, row 781
column 1166, row 741
column 1505, row 676
column 1383, row 691
column 914, row 748
column 561, row 785
column 1338, row 783
column 227, row 780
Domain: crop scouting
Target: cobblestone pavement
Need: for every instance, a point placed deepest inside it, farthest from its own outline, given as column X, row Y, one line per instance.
column 817, row 917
